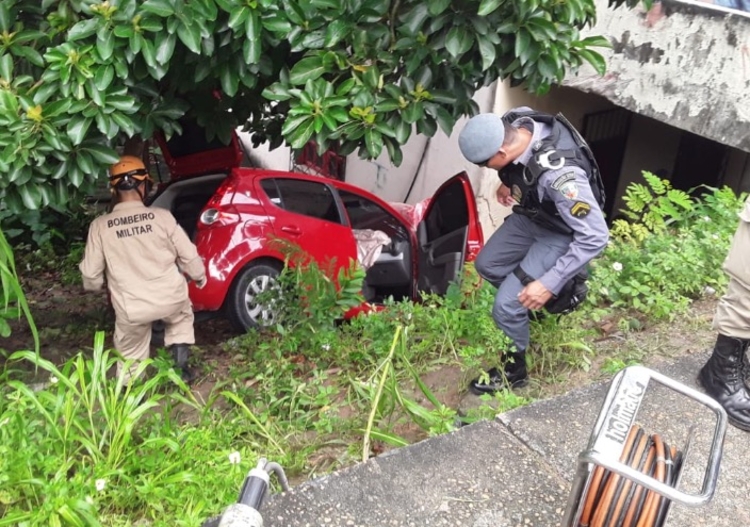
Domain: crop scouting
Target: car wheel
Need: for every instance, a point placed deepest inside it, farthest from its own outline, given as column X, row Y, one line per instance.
column 248, row 306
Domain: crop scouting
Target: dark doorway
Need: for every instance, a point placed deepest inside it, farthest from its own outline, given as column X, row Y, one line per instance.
column 606, row 133
column 700, row 161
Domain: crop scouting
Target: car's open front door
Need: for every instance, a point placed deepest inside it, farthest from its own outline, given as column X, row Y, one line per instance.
column 448, row 235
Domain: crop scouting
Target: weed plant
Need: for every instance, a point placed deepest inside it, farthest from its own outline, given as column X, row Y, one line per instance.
column 668, row 251
column 88, row 449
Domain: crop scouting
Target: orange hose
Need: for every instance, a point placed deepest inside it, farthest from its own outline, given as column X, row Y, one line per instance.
column 614, row 501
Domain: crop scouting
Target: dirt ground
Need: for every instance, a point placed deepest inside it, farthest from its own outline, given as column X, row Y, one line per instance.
column 67, row 318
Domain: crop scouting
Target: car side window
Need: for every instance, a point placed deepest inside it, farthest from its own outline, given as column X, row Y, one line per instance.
column 302, row 197
column 449, row 213
column 366, row 214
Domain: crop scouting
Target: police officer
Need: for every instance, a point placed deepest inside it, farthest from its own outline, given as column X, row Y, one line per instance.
column 556, row 228
column 722, row 375
column 143, row 253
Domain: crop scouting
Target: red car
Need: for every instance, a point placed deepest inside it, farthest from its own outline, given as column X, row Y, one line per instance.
column 232, row 214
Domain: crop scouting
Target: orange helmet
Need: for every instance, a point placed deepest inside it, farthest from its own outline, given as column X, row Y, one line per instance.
column 128, row 173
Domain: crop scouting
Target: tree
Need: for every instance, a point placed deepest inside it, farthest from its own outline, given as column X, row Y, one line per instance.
column 78, row 77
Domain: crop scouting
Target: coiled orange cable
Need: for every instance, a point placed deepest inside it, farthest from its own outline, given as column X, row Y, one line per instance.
column 614, row 501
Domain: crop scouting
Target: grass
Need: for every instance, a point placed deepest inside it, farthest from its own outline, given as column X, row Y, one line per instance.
column 313, row 394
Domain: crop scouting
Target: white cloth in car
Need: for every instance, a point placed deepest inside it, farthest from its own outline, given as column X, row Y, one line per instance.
column 370, row 244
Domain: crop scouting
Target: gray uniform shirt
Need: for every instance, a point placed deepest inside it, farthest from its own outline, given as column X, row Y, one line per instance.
column 568, row 187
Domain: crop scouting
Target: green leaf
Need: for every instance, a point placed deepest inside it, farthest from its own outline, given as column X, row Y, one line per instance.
column 165, row 44
column 83, row 29
column 238, row 16
column 103, row 77
column 522, row 42
column 29, row 54
column 148, row 52
column 394, row 152
column 437, row 7
column 78, row 128
column 190, row 35
column 335, row 32
column 84, row 162
column 162, row 8
column 373, row 142
column 595, row 59
column 230, row 81
column 488, row 6
column 596, row 41
column 309, row 68
column 301, row 136
column 415, row 19
column 458, row 41
column 101, row 154
column 6, row 67
column 6, row 20
column 487, row 52
column 292, row 123
column 413, row 112
column 124, row 122
column 402, row 131
column 123, row 103
column 30, row 196
column 277, row 24
column 253, row 45
column 75, row 175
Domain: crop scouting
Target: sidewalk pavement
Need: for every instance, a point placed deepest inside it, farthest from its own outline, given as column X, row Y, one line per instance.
column 517, row 470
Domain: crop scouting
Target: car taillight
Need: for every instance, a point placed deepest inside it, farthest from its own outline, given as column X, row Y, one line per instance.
column 223, row 216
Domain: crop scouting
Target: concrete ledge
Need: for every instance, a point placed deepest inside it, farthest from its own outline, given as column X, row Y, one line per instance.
column 518, row 469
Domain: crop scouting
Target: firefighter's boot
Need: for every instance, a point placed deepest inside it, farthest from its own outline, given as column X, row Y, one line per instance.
column 181, row 356
column 721, row 377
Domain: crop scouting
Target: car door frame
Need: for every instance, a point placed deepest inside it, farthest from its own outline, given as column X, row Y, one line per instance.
column 434, row 274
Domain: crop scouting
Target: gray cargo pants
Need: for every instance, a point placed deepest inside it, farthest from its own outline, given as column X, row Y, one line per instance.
column 518, row 240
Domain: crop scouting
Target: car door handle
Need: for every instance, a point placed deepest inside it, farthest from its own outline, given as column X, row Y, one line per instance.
column 290, row 229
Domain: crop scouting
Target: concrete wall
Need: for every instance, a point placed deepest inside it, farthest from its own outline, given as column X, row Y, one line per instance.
column 651, row 146
column 683, row 63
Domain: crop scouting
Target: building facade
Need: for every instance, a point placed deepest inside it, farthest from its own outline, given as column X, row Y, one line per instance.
column 675, row 101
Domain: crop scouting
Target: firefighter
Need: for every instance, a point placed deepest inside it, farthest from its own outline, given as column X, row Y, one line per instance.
column 722, row 375
column 145, row 256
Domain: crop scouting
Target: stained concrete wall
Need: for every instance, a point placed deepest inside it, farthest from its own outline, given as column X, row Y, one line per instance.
column 683, row 63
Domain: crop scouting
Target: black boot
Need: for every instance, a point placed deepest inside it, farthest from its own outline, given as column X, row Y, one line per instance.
column 514, row 375
column 721, row 377
column 181, row 355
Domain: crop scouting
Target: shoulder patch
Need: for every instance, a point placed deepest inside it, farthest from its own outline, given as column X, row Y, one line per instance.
column 580, row 209
column 569, row 190
column 561, row 180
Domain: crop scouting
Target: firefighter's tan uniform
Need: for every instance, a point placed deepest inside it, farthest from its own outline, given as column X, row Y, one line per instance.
column 733, row 312
column 143, row 252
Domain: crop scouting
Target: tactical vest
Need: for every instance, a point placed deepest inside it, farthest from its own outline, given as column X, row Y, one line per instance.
column 563, row 147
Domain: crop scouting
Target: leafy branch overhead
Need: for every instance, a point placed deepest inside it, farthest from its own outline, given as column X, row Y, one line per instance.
column 78, row 77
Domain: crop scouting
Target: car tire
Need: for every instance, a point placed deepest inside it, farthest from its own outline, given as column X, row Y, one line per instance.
column 243, row 312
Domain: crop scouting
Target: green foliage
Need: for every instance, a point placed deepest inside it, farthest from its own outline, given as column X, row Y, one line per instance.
column 78, row 78
column 309, row 299
column 14, row 302
column 86, row 449
column 655, row 205
column 47, row 227
column 671, row 251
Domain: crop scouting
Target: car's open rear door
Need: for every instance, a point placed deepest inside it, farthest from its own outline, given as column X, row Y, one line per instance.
column 448, row 235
